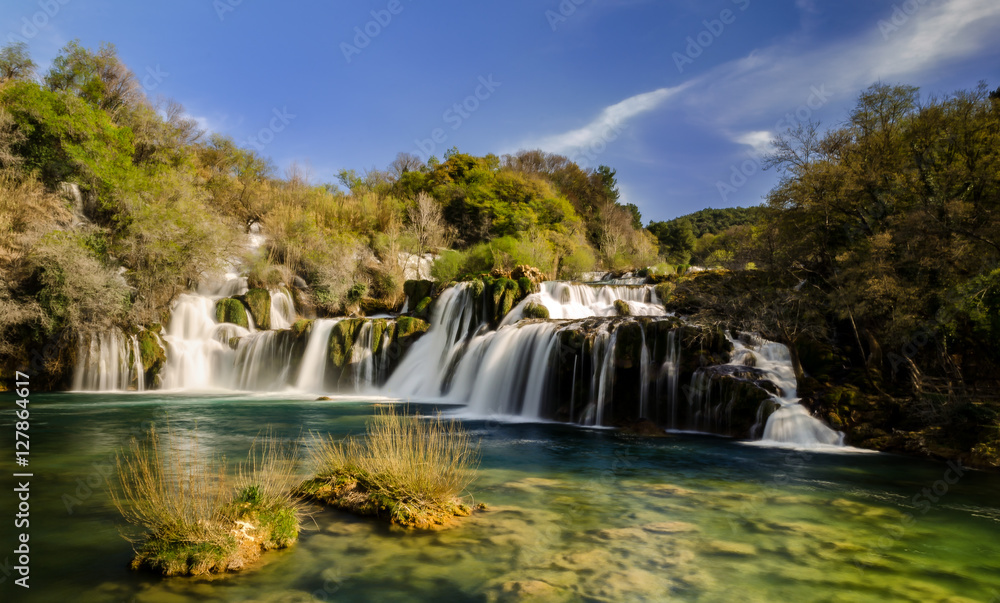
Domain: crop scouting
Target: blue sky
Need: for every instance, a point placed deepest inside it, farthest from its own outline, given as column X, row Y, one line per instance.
column 680, row 96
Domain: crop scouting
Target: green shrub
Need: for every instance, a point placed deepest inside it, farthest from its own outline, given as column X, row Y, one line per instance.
column 356, row 293
column 448, row 266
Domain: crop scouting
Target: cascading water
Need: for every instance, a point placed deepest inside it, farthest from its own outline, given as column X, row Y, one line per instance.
column 282, row 309
column 108, row 362
column 199, row 356
column 790, row 424
column 312, row 370
column 423, row 372
column 573, row 300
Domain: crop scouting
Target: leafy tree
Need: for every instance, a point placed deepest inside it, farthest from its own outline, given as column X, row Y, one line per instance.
column 16, row 63
column 100, row 78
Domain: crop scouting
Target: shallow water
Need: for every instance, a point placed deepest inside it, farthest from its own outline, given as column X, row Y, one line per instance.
column 575, row 515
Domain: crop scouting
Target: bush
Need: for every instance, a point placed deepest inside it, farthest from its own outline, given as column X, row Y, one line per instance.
column 356, row 293
column 448, row 266
column 75, row 290
column 197, row 518
column 408, row 470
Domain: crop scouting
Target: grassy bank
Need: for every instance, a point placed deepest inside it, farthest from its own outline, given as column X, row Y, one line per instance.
column 191, row 516
column 410, row 471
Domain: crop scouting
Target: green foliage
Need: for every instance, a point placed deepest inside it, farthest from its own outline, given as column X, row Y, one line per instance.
column 65, row 139
column 73, row 288
column 16, row 63
column 622, row 308
column 356, row 292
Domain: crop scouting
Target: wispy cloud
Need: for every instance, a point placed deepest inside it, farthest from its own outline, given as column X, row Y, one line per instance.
column 606, row 125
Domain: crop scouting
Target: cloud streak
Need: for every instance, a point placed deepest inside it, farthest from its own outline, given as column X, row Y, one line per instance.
column 608, row 123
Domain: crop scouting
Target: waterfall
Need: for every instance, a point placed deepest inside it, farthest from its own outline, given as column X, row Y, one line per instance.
column 574, row 300
column 199, row 355
column 363, row 357
column 263, row 362
column 312, row 369
column 282, row 309
column 108, row 361
column 424, row 370
column 504, row 372
column 791, row 424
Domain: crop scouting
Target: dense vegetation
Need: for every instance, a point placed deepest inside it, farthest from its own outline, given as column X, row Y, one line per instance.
column 111, row 205
column 878, row 257
column 695, row 237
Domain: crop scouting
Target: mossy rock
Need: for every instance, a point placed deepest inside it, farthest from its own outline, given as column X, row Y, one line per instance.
column 352, row 492
column 370, row 307
column 665, row 291
column 302, row 327
column 622, row 307
column 152, row 355
column 417, row 290
column 342, row 340
column 538, row 311
column 406, row 325
column 423, row 308
column 251, row 527
column 504, row 294
column 258, row 301
column 232, row 311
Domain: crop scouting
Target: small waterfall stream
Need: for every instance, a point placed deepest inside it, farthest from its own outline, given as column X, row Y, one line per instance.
column 108, row 362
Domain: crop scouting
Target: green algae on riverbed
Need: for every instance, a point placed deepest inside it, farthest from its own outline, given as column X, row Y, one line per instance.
column 575, row 515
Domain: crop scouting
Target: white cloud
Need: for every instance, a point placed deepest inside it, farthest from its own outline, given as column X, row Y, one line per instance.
column 607, row 126
column 759, row 141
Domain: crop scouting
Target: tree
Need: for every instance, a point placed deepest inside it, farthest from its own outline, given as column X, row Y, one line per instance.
column 676, row 240
column 99, row 77
column 238, row 180
column 403, row 163
column 16, row 63
column 426, row 222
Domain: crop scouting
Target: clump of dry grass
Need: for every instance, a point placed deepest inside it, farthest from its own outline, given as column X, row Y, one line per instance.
column 194, row 515
column 411, row 471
